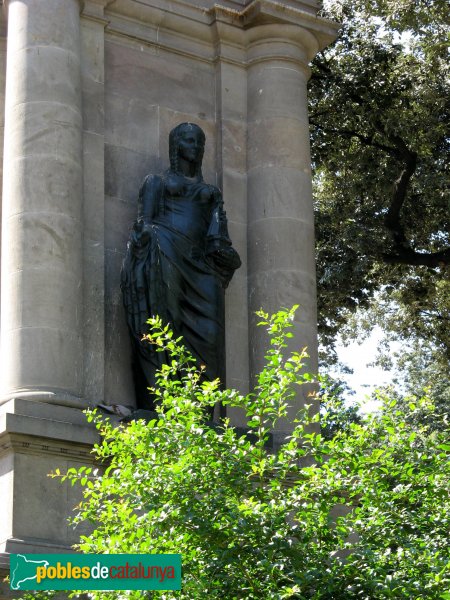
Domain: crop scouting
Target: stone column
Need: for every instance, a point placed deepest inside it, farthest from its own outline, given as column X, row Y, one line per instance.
column 42, row 354
column 281, row 267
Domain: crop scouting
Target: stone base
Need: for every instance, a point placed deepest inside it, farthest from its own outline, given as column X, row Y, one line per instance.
column 35, row 439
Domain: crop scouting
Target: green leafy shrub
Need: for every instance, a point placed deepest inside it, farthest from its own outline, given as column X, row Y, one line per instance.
column 362, row 515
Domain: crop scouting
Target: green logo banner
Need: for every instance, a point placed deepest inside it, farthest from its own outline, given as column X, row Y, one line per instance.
column 95, row 571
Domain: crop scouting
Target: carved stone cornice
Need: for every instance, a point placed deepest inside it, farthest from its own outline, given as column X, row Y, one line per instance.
column 93, row 10
column 29, row 435
column 218, row 29
column 25, row 444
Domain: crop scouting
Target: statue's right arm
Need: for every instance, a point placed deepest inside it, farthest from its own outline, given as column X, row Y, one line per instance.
column 149, row 198
column 148, row 205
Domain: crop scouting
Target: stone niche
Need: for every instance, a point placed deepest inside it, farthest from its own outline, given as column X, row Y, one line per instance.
column 90, row 91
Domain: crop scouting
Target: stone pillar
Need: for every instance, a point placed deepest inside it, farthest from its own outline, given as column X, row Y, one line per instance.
column 281, row 267
column 93, row 92
column 41, row 324
column 231, row 120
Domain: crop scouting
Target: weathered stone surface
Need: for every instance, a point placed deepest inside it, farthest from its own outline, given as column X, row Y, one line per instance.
column 124, row 172
column 278, row 90
column 42, row 241
column 132, row 123
column 39, row 69
column 119, row 387
column 234, row 187
column 93, row 74
column 282, row 192
column 52, row 26
column 234, row 145
column 58, row 178
column 279, row 244
column 28, row 284
column 284, row 288
column 278, row 142
column 93, row 214
column 27, row 371
column 174, row 82
column 42, row 410
column 236, row 343
column 120, row 216
column 232, row 82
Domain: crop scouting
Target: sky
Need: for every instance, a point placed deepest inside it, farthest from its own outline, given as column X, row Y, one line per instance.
column 364, row 379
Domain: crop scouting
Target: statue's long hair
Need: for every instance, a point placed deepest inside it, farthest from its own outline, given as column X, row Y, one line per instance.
column 174, row 137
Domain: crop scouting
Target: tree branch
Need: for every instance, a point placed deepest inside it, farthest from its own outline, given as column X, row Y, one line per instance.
column 402, row 253
column 367, row 140
column 392, row 220
column 408, row 256
column 433, row 315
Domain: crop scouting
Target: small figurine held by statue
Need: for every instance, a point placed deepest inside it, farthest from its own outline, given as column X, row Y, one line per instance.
column 179, row 260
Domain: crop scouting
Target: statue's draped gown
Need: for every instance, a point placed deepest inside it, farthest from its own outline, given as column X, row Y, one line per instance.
column 169, row 271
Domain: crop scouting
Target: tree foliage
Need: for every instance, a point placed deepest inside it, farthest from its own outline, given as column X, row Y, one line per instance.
column 362, row 515
column 379, row 105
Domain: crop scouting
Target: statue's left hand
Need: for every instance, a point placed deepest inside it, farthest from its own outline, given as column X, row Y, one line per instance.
column 227, row 258
column 141, row 232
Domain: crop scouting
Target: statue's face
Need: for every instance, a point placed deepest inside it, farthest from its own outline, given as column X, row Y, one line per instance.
column 191, row 145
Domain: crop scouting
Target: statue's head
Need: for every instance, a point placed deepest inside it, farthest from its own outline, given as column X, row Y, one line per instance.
column 186, row 131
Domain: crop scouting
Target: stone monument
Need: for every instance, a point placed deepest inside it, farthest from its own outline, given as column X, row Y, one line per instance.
column 90, row 91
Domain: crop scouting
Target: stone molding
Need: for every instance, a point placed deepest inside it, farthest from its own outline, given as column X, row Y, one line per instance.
column 26, row 444
column 94, row 10
column 59, row 397
column 40, row 428
column 218, row 32
column 30, row 435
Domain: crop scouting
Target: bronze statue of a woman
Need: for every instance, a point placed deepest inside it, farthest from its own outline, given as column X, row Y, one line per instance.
column 179, row 260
